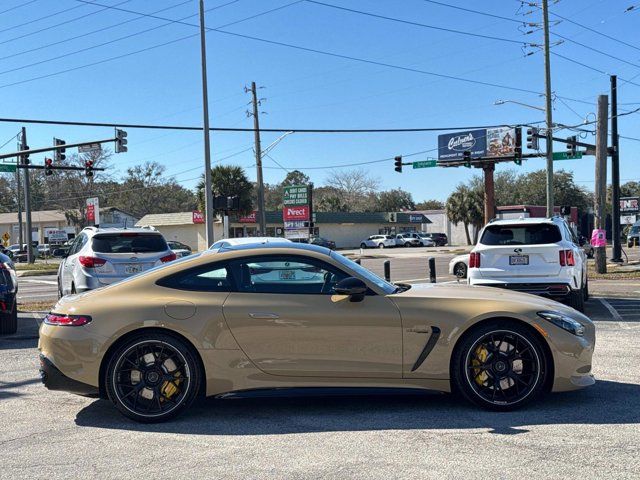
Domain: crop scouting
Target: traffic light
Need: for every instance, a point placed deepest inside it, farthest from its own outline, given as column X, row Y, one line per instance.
column 572, row 147
column 60, row 153
column 517, row 154
column 533, row 142
column 398, row 164
column 466, row 155
column 121, row 141
column 47, row 166
column 25, row 157
column 88, row 168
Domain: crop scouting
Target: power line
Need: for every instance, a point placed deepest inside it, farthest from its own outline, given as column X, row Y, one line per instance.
column 475, row 11
column 18, row 6
column 115, row 25
column 35, row 20
column 424, row 25
column 9, row 141
column 595, row 31
column 234, row 129
column 567, row 39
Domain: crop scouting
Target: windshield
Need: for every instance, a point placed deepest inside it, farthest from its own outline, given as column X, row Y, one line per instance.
column 533, row 234
column 129, row 243
column 367, row 275
column 635, row 229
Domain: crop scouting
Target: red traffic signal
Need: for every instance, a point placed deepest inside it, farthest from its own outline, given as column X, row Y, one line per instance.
column 88, row 168
column 48, row 163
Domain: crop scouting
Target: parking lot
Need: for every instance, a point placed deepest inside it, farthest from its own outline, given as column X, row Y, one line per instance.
column 592, row 433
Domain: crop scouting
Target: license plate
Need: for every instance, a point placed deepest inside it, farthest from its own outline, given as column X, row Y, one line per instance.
column 287, row 274
column 131, row 269
column 518, row 259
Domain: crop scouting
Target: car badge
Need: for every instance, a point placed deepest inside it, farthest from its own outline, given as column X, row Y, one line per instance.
column 135, row 259
column 517, row 250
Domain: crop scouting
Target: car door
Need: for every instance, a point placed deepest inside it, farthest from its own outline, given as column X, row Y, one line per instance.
column 287, row 321
column 72, row 260
column 66, row 270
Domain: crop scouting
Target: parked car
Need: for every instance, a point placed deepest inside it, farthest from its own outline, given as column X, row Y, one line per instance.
column 103, row 256
column 20, row 254
column 44, row 250
column 378, row 241
column 5, row 251
column 586, row 246
column 440, row 239
column 533, row 255
column 459, row 266
column 408, row 240
column 323, row 242
column 426, row 240
column 633, row 238
column 300, row 315
column 8, row 293
column 228, row 242
column 179, row 248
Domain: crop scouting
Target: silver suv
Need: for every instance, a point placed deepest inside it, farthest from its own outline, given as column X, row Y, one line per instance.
column 102, row 256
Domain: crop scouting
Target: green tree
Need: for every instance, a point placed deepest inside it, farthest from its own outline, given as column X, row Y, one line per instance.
column 295, row 177
column 465, row 205
column 394, row 200
column 228, row 181
column 430, row 205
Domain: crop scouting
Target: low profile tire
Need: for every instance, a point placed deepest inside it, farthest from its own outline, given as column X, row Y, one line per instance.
column 381, row 245
column 576, row 299
column 363, row 246
column 9, row 322
column 590, row 253
column 499, row 366
column 460, row 270
column 153, row 377
column 585, row 290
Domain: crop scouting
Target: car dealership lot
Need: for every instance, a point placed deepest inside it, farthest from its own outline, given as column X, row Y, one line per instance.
column 592, row 433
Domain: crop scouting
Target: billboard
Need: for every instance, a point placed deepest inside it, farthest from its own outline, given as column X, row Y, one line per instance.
column 486, row 142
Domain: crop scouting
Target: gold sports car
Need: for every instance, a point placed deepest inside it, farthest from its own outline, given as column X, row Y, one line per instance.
column 293, row 315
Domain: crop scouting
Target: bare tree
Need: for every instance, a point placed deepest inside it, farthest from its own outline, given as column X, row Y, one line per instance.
column 356, row 187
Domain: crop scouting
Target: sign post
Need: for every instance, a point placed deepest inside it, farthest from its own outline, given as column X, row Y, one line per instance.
column 296, row 213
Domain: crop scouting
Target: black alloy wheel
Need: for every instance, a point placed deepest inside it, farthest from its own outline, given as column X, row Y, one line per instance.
column 460, row 270
column 501, row 367
column 153, row 378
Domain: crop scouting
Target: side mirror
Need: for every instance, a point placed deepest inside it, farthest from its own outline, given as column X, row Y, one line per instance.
column 354, row 287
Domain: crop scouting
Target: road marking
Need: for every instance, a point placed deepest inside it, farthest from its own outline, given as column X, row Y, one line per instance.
column 46, row 282
column 616, row 316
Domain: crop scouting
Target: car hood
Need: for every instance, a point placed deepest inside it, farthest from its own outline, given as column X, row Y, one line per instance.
column 464, row 292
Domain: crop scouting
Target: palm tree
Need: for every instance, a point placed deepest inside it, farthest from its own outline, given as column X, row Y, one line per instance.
column 228, row 181
column 456, row 207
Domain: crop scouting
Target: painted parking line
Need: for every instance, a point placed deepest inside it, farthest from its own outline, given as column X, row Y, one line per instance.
column 45, row 282
column 614, row 313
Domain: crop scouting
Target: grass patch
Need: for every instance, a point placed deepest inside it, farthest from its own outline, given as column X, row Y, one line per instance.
column 613, row 273
column 37, row 266
column 36, row 306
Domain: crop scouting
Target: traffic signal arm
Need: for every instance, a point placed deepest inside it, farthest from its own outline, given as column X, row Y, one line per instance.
column 53, row 148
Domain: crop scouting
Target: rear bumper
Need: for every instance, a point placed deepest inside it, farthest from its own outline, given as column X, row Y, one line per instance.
column 7, row 301
column 555, row 290
column 54, row 379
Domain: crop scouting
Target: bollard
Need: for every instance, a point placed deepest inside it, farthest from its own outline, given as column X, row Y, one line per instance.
column 387, row 270
column 432, row 270
column 359, row 261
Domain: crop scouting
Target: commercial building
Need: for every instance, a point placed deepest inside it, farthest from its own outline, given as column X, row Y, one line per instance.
column 347, row 229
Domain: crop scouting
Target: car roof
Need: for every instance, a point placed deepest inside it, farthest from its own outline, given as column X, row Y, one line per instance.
column 254, row 240
column 525, row 221
column 277, row 245
column 97, row 231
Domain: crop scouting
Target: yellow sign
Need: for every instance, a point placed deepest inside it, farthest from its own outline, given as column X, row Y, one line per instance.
column 5, row 238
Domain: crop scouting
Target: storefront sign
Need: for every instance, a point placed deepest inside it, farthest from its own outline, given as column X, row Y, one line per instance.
column 297, row 234
column 197, row 217
column 296, row 195
column 251, row 218
column 629, row 205
column 627, row 219
column 93, row 210
column 295, row 213
column 416, row 218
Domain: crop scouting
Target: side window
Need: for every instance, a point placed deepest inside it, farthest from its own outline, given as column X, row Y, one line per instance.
column 206, row 278
column 75, row 247
column 288, row 274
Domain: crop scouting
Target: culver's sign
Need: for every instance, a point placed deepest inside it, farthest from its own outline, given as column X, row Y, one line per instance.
column 451, row 146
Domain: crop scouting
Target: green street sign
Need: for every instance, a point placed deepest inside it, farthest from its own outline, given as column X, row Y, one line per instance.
column 296, row 195
column 566, row 156
column 425, row 164
column 7, row 167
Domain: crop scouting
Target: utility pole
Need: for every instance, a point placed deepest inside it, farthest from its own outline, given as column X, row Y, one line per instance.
column 489, row 192
column 208, row 193
column 601, row 179
column 262, row 219
column 27, row 196
column 18, row 193
column 615, row 172
column 548, row 107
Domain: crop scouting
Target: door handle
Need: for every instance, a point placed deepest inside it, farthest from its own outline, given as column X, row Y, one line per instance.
column 264, row 316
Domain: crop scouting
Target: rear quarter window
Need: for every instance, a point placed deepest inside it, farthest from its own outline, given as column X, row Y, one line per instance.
column 129, row 243
column 534, row 234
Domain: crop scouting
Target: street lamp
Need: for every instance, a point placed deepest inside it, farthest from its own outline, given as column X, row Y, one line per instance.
column 502, row 102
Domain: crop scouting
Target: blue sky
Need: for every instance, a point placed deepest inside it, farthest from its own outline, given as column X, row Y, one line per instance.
column 309, row 90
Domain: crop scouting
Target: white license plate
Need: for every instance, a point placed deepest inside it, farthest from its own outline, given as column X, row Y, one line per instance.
column 131, row 269
column 287, row 274
column 518, row 259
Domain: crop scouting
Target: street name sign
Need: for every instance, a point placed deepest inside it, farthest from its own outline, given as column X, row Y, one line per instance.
column 90, row 147
column 425, row 164
column 7, row 168
column 566, row 156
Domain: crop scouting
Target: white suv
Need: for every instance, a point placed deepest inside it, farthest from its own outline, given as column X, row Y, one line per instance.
column 532, row 255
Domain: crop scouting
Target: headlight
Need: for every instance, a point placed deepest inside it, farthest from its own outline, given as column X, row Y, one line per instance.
column 564, row 322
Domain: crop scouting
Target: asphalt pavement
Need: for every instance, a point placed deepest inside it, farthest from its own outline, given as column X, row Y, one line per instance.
column 588, row 434
column 37, row 289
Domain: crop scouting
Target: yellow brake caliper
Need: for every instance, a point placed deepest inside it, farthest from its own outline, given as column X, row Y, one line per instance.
column 170, row 388
column 481, row 356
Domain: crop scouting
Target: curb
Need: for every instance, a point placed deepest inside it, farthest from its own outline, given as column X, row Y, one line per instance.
column 35, row 273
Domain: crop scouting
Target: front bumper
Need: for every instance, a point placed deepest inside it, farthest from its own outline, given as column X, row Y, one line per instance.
column 54, row 379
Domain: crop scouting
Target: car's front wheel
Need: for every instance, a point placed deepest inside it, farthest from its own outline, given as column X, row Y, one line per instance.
column 381, row 245
column 499, row 366
column 363, row 246
column 576, row 299
column 153, row 377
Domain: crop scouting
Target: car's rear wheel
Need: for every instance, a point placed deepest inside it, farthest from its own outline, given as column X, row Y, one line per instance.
column 381, row 245
column 153, row 377
column 576, row 299
column 363, row 246
column 499, row 366
column 9, row 321
column 460, row 270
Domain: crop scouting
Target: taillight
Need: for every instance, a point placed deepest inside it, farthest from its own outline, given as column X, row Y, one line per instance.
column 67, row 320
column 567, row 258
column 91, row 262
column 168, row 258
column 474, row 260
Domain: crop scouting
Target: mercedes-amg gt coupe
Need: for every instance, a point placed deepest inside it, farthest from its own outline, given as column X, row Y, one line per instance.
column 275, row 314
